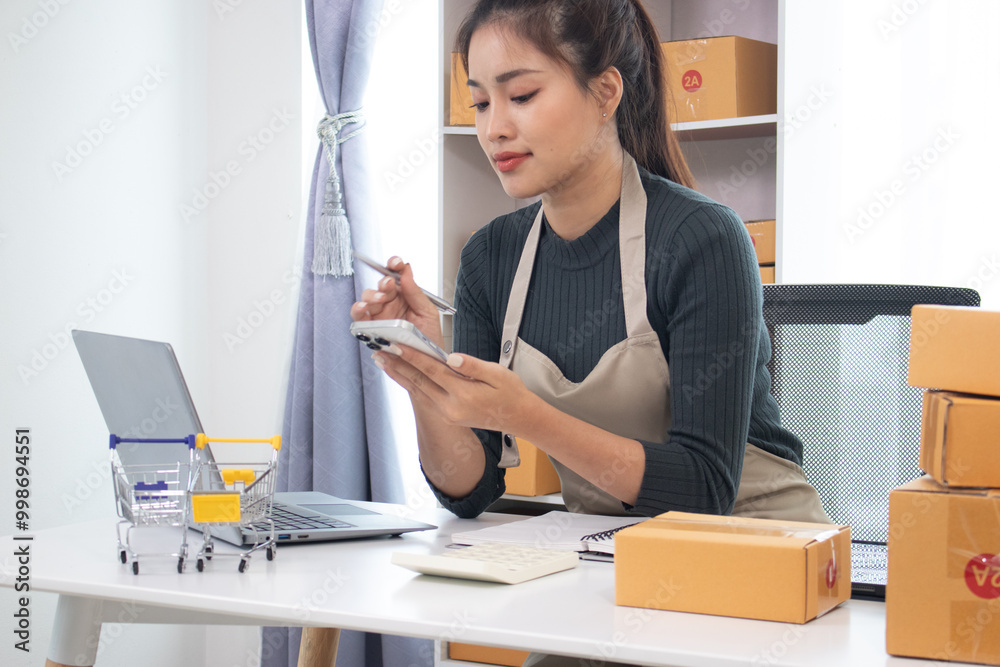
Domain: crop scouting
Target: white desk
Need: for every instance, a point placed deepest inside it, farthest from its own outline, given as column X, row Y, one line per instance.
column 352, row 585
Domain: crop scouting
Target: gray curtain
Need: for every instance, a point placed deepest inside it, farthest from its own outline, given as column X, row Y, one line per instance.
column 337, row 433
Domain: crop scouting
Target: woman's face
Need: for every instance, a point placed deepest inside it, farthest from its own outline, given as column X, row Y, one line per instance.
column 541, row 132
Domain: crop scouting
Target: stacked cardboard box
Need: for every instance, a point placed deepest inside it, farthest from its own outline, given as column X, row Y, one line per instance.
column 721, row 77
column 460, row 111
column 943, row 597
column 763, row 234
column 487, row 655
column 536, row 476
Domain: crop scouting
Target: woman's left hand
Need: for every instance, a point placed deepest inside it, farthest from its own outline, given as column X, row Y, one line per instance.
column 480, row 394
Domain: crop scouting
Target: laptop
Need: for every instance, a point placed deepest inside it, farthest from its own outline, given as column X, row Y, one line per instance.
column 142, row 394
column 869, row 570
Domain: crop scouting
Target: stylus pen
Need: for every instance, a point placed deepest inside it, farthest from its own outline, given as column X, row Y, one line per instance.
column 441, row 304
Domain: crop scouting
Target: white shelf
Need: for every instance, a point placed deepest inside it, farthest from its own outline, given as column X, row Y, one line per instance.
column 548, row 499
column 728, row 128
column 701, row 130
column 509, row 503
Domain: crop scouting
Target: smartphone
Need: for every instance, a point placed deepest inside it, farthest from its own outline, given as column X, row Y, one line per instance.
column 377, row 334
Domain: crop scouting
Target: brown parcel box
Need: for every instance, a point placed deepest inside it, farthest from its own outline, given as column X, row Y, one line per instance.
column 763, row 233
column 786, row 571
column 943, row 597
column 487, row 654
column 462, row 112
column 721, row 77
column 954, row 348
column 767, row 274
column 536, row 475
column 960, row 439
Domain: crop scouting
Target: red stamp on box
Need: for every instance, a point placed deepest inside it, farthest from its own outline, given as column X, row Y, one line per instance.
column 831, row 573
column 982, row 576
column 691, row 80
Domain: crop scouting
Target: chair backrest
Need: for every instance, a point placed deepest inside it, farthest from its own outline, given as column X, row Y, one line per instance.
column 838, row 371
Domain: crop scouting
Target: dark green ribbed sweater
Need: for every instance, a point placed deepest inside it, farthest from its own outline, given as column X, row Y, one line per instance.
column 704, row 301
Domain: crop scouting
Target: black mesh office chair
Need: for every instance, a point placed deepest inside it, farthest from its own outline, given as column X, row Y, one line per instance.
column 838, row 372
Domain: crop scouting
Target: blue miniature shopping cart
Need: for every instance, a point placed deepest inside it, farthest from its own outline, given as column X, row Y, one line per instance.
column 152, row 495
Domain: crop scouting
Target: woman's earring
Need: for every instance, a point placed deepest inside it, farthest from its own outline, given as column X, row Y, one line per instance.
column 605, row 115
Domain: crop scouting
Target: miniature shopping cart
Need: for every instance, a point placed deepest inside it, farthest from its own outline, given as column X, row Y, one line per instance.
column 152, row 494
column 235, row 494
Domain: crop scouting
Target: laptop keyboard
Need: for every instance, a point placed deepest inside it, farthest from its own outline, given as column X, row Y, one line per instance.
column 286, row 518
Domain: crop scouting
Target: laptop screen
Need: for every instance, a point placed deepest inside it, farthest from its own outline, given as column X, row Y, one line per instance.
column 141, row 393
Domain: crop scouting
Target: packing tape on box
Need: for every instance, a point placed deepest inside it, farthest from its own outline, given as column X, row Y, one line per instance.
column 944, row 437
column 738, row 526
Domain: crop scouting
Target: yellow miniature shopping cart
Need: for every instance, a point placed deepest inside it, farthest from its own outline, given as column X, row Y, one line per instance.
column 235, row 494
column 152, row 494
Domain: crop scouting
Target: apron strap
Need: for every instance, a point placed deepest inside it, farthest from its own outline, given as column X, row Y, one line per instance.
column 632, row 249
column 519, row 293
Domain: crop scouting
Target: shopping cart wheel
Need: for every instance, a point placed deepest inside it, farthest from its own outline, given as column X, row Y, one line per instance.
column 243, row 564
column 123, row 556
column 135, row 567
column 270, row 552
column 180, row 565
column 200, row 565
column 208, row 552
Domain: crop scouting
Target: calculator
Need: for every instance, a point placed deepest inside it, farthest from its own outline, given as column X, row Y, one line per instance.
column 490, row 561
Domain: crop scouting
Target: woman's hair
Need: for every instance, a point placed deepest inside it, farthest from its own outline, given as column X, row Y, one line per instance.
column 590, row 36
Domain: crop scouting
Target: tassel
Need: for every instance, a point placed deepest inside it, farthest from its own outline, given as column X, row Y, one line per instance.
column 333, row 256
column 333, row 253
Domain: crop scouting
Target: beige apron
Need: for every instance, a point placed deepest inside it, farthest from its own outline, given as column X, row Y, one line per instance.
column 628, row 392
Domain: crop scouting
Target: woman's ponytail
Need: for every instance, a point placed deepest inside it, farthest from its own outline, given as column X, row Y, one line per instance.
column 643, row 123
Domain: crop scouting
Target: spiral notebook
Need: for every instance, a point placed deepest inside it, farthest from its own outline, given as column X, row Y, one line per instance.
column 590, row 535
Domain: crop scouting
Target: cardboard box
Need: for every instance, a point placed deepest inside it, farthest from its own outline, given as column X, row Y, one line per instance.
column 960, row 439
column 763, row 234
column 786, row 571
column 954, row 348
column 487, row 654
column 943, row 597
column 461, row 111
column 536, row 476
column 767, row 274
column 721, row 77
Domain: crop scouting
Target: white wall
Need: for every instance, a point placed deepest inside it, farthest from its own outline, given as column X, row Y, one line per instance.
column 891, row 143
column 404, row 160
column 112, row 115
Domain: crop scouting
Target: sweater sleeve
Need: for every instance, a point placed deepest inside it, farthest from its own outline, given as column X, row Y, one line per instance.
column 707, row 287
column 476, row 335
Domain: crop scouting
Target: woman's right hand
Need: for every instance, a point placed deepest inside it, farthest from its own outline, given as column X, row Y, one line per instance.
column 402, row 301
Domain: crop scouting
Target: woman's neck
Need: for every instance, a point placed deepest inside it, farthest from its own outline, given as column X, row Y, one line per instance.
column 571, row 209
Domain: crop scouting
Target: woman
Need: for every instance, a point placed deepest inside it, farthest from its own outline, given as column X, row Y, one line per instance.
column 616, row 325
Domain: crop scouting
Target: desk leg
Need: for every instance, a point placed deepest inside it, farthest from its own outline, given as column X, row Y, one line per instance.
column 76, row 632
column 318, row 647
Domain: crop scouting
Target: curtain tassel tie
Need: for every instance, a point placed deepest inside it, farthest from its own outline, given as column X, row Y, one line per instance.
column 332, row 251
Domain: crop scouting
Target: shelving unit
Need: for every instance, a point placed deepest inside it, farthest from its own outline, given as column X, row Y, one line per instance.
column 736, row 161
column 702, row 130
column 528, row 505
